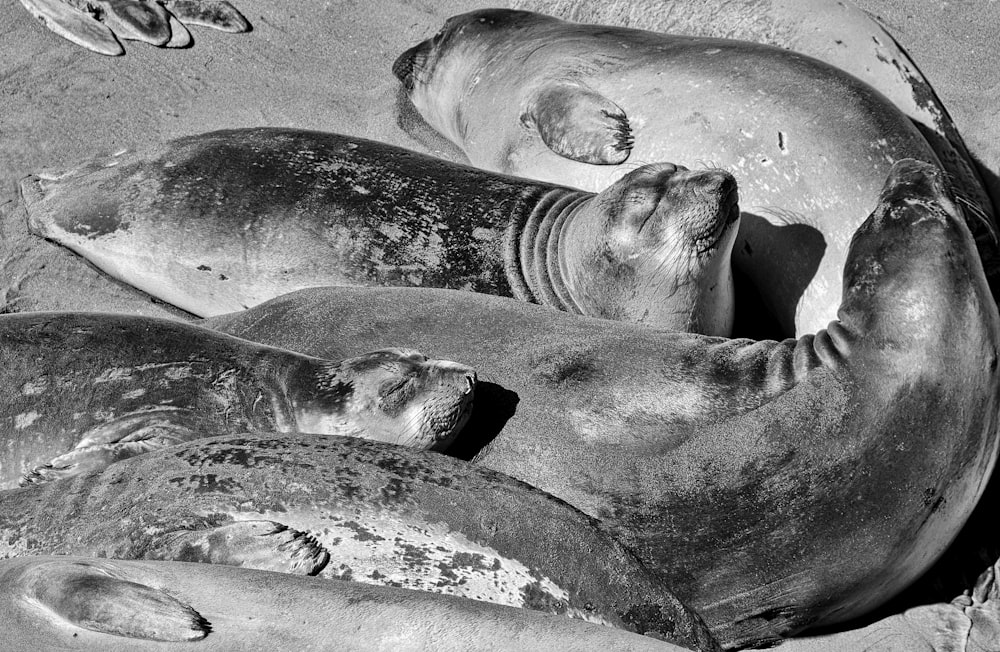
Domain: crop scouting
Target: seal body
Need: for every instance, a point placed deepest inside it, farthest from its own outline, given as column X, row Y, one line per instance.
column 350, row 509
column 247, row 609
column 82, row 390
column 222, row 221
column 810, row 145
column 778, row 485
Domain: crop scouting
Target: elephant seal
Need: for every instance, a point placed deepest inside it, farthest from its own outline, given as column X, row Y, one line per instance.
column 259, row 611
column 222, row 221
column 836, row 32
column 350, row 509
column 777, row 485
column 528, row 94
column 80, row 390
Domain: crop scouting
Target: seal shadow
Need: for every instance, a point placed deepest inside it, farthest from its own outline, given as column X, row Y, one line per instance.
column 493, row 406
column 791, row 255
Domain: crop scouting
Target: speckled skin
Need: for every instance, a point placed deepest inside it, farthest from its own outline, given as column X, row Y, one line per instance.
column 776, row 484
column 248, row 610
column 79, row 390
column 217, row 222
column 809, row 144
column 353, row 509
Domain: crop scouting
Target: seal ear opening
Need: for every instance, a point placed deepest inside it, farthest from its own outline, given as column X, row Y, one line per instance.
column 580, row 124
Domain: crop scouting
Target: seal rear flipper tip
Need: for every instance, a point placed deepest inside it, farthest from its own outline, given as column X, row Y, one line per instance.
column 216, row 14
column 95, row 598
column 261, row 545
column 180, row 37
column 75, row 26
column 580, row 124
column 984, row 611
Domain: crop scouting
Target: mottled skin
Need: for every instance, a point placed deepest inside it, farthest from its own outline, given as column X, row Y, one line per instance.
column 80, row 390
column 248, row 610
column 809, row 144
column 777, row 484
column 346, row 508
column 222, row 221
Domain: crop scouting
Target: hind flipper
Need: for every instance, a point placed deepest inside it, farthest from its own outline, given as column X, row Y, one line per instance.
column 76, row 26
column 216, row 14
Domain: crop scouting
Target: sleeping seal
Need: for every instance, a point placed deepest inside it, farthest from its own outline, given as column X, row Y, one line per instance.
column 777, row 485
column 79, row 603
column 350, row 509
column 81, row 390
column 222, row 221
column 528, row 94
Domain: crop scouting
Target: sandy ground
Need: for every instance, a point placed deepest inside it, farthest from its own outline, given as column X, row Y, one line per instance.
column 319, row 65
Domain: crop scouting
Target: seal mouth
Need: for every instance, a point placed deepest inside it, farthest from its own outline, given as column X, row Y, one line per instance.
column 729, row 210
column 405, row 64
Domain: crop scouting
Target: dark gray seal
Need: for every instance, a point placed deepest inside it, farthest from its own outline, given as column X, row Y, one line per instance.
column 351, row 509
column 81, row 390
column 222, row 221
column 778, row 485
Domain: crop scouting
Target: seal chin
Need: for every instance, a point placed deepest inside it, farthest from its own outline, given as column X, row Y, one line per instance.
column 405, row 63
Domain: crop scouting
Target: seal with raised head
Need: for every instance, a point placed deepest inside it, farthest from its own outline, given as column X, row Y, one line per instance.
column 532, row 95
column 777, row 485
column 81, row 390
column 222, row 221
column 80, row 603
column 350, row 509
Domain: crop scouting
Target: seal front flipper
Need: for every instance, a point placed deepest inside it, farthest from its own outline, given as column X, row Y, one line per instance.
column 93, row 596
column 580, row 124
column 116, row 440
column 263, row 545
column 75, row 26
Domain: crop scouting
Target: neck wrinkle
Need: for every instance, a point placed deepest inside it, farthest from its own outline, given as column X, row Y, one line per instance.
column 532, row 242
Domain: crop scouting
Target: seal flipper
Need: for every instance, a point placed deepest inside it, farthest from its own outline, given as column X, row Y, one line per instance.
column 95, row 598
column 262, row 545
column 75, row 26
column 983, row 608
column 116, row 440
column 216, row 14
column 135, row 20
column 580, row 124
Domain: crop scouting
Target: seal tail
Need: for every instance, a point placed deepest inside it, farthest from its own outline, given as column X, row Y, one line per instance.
column 98, row 599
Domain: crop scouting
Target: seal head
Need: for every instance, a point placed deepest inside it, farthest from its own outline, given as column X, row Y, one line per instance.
column 399, row 396
column 655, row 248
